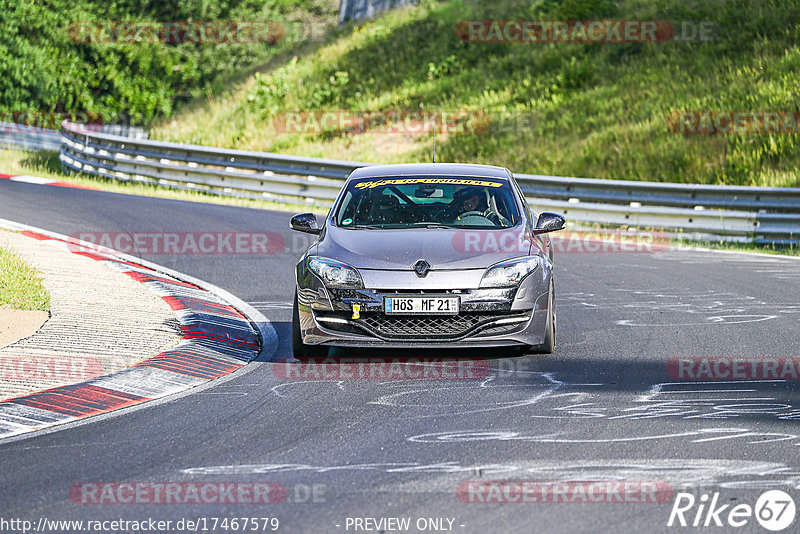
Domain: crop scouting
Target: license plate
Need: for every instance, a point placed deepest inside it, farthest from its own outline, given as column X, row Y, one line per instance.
column 421, row 305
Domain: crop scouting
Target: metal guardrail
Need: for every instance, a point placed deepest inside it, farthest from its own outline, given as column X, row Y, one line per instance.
column 22, row 137
column 663, row 194
column 761, row 214
column 233, row 172
column 31, row 138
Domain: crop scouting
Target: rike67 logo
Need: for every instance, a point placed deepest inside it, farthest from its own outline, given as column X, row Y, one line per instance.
column 774, row 510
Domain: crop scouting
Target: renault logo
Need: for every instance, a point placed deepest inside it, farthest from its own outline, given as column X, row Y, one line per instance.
column 421, row 268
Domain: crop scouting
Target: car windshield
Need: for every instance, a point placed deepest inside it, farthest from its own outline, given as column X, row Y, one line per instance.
column 427, row 201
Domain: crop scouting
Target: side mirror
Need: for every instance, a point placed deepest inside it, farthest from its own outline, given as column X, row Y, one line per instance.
column 305, row 222
column 549, row 222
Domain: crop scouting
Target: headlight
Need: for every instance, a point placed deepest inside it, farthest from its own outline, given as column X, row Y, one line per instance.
column 335, row 273
column 509, row 273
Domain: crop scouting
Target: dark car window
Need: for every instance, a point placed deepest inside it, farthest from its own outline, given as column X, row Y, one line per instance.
column 404, row 202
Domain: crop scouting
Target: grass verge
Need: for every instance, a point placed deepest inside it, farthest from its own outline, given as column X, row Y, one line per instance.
column 20, row 286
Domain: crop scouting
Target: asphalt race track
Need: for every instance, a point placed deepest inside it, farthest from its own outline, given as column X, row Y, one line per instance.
column 604, row 406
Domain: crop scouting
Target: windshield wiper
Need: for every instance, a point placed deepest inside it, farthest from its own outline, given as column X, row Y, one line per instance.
column 436, row 225
column 367, row 226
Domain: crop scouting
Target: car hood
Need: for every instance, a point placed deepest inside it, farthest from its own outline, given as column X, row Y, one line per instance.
column 441, row 248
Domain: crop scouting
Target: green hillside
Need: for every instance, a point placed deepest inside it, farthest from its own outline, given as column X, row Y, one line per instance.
column 46, row 65
column 575, row 109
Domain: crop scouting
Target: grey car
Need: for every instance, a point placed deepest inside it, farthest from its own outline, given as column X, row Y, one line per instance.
column 426, row 256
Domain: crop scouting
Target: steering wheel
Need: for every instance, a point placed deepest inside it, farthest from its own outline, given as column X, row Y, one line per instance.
column 469, row 213
column 490, row 215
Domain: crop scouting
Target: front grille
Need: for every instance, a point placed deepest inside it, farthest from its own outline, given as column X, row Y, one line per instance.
column 405, row 326
column 427, row 327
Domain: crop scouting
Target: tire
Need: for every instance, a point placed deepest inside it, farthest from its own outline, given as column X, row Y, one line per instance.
column 549, row 344
column 300, row 350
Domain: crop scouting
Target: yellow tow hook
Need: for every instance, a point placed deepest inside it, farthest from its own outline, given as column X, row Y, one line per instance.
column 356, row 311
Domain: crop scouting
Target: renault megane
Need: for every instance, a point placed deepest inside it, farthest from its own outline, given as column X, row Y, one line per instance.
column 426, row 256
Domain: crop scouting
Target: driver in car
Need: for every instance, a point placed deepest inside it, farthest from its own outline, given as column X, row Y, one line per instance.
column 472, row 201
column 464, row 201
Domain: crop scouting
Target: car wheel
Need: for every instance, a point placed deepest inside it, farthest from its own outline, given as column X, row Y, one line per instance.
column 300, row 350
column 549, row 344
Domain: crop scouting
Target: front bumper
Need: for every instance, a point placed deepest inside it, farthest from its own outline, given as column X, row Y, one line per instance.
column 487, row 317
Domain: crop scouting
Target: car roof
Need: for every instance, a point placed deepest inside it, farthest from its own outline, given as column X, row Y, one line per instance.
column 428, row 169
